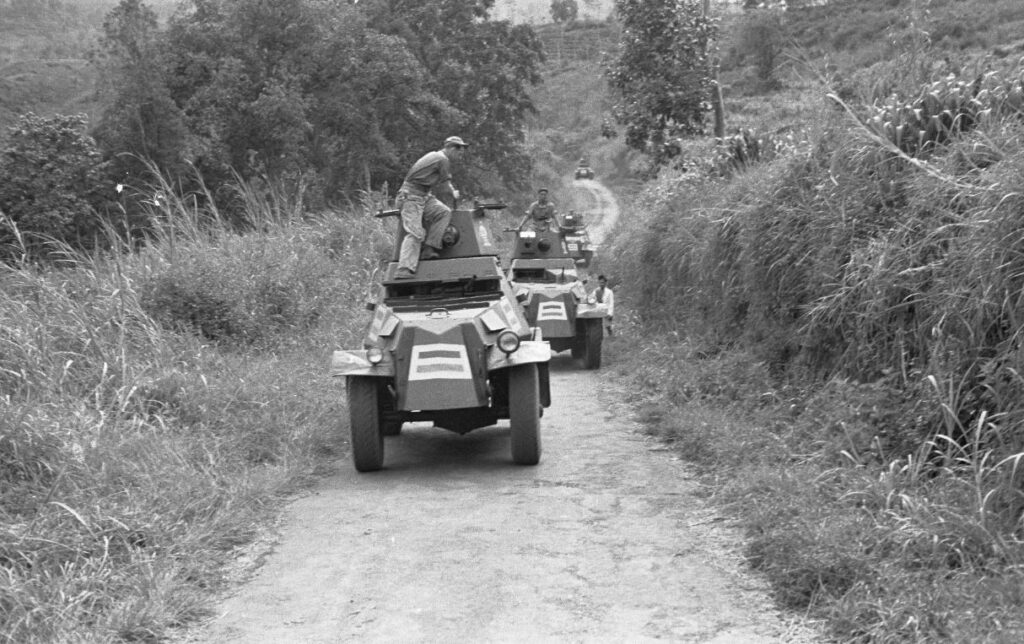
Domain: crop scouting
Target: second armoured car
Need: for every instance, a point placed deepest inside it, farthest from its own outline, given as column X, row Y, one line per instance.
column 450, row 346
column 553, row 296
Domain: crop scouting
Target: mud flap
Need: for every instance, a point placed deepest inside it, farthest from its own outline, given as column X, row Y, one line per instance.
column 543, row 369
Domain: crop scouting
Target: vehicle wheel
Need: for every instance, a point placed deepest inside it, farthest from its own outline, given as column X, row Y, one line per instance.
column 524, row 413
column 577, row 349
column 593, row 339
column 367, row 440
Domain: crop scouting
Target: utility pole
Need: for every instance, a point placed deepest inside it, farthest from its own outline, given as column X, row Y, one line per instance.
column 716, row 97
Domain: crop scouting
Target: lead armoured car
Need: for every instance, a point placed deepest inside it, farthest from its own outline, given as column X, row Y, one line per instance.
column 552, row 293
column 451, row 346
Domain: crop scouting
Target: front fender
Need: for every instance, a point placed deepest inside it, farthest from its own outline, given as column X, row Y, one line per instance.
column 528, row 351
column 586, row 310
column 354, row 363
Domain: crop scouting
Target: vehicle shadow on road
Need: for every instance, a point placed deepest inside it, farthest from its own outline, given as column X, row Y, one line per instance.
column 437, row 453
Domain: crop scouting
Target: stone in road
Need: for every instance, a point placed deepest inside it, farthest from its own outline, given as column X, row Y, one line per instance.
column 605, row 540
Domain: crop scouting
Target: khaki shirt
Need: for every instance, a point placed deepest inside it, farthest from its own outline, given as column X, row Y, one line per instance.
column 542, row 212
column 431, row 170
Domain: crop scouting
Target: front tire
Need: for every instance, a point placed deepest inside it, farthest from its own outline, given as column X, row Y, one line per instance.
column 524, row 413
column 364, row 420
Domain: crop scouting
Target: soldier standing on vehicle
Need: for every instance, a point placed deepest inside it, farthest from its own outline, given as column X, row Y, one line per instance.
column 604, row 295
column 421, row 201
column 541, row 213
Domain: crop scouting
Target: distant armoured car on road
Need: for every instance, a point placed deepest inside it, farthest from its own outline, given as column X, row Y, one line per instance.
column 583, row 170
column 451, row 345
column 546, row 282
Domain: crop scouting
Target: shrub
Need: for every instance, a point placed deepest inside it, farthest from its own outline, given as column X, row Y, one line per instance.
column 50, row 177
column 133, row 459
column 287, row 274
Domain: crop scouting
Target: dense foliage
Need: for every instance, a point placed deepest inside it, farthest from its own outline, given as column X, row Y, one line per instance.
column 482, row 71
column 327, row 99
column 49, row 179
column 330, row 96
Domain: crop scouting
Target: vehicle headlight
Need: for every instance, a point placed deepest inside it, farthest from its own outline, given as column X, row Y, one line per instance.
column 374, row 355
column 508, row 342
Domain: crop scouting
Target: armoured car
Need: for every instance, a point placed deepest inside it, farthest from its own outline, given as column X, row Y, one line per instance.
column 583, row 169
column 584, row 172
column 451, row 346
column 552, row 293
column 577, row 239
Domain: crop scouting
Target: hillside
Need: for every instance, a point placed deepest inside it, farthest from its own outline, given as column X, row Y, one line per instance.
column 44, row 52
column 538, row 12
column 43, row 66
column 827, row 313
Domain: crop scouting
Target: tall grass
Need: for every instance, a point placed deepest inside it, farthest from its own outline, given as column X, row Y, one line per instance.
column 137, row 450
column 847, row 324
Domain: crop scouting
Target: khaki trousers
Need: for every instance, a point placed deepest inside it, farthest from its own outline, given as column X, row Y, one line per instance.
column 424, row 219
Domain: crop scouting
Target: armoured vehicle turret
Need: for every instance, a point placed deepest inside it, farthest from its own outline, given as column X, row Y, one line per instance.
column 451, row 346
column 546, row 281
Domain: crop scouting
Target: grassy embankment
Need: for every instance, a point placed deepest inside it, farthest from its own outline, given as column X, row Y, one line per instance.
column 157, row 405
column 842, row 323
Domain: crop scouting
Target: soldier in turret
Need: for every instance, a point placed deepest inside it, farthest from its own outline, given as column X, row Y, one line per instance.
column 541, row 213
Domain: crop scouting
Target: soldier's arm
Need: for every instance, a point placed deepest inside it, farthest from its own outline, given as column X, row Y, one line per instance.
column 445, row 192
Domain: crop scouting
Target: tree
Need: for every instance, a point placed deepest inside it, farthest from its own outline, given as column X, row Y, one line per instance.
column 49, row 183
column 240, row 72
column 482, row 70
column 335, row 94
column 564, row 10
column 371, row 103
column 662, row 74
column 761, row 37
column 140, row 120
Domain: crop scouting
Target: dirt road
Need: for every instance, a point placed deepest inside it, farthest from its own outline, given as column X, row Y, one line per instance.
column 605, row 540
column 598, row 204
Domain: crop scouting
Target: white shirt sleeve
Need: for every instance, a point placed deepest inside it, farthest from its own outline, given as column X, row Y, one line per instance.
column 609, row 299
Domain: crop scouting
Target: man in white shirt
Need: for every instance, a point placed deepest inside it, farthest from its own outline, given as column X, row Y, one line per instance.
column 604, row 295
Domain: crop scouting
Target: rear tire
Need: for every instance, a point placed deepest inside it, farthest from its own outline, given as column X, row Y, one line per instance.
column 524, row 413
column 364, row 420
column 593, row 338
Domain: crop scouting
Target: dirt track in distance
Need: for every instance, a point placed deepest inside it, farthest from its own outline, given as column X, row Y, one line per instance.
column 605, row 540
column 599, row 206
